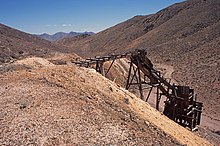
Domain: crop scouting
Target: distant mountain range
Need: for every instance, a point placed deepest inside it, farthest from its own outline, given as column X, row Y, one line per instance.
column 60, row 35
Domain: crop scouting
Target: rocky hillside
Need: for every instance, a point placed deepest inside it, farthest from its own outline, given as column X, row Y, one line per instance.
column 48, row 104
column 15, row 44
column 185, row 35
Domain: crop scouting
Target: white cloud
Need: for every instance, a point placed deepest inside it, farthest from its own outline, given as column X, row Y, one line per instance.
column 55, row 25
column 48, row 25
column 69, row 24
column 64, row 25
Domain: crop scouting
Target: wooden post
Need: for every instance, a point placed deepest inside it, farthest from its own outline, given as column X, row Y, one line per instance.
column 140, row 82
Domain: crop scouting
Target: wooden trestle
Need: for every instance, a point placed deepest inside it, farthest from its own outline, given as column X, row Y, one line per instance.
column 180, row 105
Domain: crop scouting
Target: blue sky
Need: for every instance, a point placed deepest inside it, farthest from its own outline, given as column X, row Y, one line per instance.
column 50, row 16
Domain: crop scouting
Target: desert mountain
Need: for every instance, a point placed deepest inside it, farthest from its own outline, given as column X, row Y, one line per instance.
column 15, row 44
column 185, row 35
column 47, row 104
column 175, row 23
column 67, row 105
column 72, row 39
column 61, row 35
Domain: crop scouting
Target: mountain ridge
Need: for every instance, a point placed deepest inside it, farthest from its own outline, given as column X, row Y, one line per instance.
column 15, row 44
column 61, row 35
column 185, row 35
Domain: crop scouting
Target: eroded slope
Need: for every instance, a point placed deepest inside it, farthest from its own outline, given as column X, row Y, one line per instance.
column 57, row 105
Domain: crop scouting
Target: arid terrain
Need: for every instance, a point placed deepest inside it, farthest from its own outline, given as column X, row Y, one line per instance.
column 185, row 35
column 45, row 99
column 64, row 104
column 15, row 45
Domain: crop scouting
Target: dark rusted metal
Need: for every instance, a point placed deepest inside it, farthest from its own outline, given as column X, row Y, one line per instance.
column 180, row 105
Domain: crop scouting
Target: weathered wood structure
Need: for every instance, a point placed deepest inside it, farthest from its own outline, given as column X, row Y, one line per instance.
column 180, row 105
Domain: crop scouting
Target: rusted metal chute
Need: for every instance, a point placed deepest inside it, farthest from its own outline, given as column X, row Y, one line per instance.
column 180, row 105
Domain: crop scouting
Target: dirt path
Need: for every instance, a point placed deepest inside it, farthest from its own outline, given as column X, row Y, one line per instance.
column 207, row 122
column 167, row 71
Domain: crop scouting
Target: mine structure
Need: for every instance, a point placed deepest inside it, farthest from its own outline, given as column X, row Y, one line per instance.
column 180, row 104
